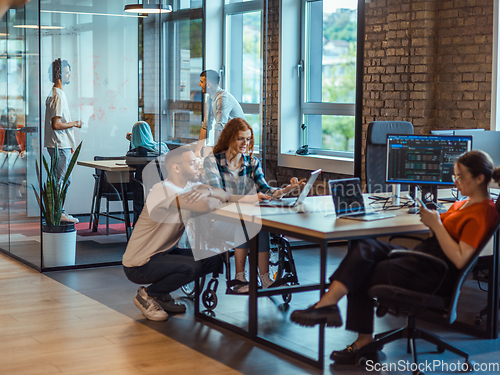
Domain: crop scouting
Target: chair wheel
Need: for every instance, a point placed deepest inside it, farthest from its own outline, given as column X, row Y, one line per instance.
column 209, row 299
column 287, row 297
column 440, row 349
column 361, row 361
column 478, row 321
column 468, row 366
column 188, row 289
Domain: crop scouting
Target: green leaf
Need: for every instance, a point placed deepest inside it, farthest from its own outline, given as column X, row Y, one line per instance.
column 53, row 195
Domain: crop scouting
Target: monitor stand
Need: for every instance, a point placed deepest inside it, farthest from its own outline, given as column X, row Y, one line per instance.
column 430, row 198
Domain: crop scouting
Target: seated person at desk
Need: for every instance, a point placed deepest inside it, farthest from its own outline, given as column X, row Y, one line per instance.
column 143, row 149
column 454, row 236
column 234, row 169
column 142, row 141
column 152, row 256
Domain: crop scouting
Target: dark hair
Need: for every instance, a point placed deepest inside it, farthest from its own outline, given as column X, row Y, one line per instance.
column 211, row 75
column 230, row 134
column 173, row 156
column 56, row 68
column 479, row 162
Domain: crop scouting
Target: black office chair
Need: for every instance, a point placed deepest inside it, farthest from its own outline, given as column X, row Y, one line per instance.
column 376, row 152
column 398, row 301
column 138, row 158
column 107, row 190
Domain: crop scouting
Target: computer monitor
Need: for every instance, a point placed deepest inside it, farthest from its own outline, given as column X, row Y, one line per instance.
column 424, row 160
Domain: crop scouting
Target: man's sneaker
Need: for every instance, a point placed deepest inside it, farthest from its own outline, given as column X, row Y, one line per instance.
column 67, row 217
column 149, row 306
column 168, row 304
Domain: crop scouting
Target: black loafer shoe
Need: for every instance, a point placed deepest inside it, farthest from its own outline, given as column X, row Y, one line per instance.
column 169, row 305
column 350, row 355
column 328, row 315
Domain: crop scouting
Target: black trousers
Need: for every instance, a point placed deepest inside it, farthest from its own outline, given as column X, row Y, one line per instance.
column 367, row 264
column 168, row 271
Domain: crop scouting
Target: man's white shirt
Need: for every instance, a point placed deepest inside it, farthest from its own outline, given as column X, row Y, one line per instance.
column 56, row 105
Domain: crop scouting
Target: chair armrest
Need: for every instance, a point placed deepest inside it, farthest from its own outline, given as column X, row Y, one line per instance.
column 432, row 258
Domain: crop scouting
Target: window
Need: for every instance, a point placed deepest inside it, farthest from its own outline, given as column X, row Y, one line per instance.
column 182, row 56
column 328, row 76
column 243, row 58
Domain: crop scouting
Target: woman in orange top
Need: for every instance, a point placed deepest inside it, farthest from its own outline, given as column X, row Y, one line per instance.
column 455, row 235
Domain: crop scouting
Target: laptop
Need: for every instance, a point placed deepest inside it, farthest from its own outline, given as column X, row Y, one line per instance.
column 348, row 201
column 300, row 198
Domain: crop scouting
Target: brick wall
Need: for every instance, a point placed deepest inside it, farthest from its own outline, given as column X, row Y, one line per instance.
column 427, row 62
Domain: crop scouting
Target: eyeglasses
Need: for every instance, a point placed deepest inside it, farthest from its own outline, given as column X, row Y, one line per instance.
column 457, row 179
column 241, row 140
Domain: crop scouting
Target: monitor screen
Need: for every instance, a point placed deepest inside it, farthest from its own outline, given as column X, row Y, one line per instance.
column 423, row 159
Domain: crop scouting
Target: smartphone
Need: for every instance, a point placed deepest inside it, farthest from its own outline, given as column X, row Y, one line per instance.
column 420, row 203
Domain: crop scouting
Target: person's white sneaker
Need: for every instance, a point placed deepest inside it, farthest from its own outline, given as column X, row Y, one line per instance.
column 67, row 217
column 243, row 287
column 266, row 281
column 149, row 306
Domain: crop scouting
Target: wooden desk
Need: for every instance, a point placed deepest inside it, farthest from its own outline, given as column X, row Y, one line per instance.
column 317, row 224
column 117, row 172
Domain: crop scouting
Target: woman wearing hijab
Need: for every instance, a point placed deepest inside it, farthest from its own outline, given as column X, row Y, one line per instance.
column 141, row 136
column 143, row 149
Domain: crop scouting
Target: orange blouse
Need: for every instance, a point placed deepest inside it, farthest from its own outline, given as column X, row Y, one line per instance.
column 471, row 224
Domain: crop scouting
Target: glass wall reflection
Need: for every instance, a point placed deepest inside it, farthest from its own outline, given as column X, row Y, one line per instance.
column 19, row 135
column 116, row 69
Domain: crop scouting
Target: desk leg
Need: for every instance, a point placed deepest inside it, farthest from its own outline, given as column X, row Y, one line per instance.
column 97, row 207
column 322, row 283
column 126, row 212
column 493, row 279
column 252, row 303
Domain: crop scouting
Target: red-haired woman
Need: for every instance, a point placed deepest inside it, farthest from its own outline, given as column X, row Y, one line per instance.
column 233, row 168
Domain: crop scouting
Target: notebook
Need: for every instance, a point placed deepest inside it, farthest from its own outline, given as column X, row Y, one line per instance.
column 301, row 197
column 348, row 201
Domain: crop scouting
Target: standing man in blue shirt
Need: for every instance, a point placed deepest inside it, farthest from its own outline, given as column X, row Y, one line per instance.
column 221, row 107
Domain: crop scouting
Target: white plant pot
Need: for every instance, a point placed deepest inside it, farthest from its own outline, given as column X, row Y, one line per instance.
column 59, row 246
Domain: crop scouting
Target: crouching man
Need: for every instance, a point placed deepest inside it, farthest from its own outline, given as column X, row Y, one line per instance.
column 152, row 256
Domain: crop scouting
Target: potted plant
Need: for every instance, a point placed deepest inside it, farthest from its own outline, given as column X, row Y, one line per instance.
column 58, row 238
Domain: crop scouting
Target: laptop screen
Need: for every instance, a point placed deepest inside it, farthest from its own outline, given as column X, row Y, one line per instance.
column 309, row 185
column 347, row 196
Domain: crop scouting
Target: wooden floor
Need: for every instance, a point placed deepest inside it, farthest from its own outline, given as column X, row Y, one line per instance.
column 49, row 328
column 84, row 322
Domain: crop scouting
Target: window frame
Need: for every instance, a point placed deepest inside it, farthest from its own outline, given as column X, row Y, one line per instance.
column 289, row 112
column 318, row 108
column 241, row 8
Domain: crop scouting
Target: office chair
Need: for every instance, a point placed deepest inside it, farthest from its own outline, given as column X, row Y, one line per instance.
column 414, row 304
column 104, row 189
column 138, row 159
column 376, row 152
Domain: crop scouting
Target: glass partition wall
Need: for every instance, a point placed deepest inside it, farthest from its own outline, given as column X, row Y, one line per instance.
column 19, row 134
column 120, row 68
column 99, row 44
